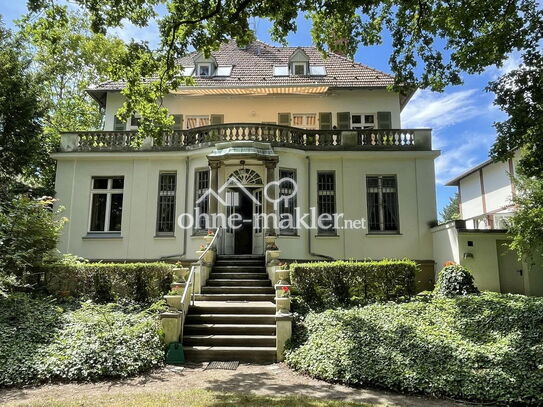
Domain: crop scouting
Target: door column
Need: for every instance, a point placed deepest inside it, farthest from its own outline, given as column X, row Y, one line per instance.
column 271, row 193
column 214, row 185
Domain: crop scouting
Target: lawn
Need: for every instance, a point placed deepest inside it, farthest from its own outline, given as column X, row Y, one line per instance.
column 194, row 398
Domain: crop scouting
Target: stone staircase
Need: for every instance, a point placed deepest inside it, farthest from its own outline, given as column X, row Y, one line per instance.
column 234, row 316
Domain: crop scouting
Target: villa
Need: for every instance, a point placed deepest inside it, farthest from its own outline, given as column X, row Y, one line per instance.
column 256, row 115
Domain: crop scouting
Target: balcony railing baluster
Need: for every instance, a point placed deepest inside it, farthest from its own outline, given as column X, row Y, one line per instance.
column 370, row 139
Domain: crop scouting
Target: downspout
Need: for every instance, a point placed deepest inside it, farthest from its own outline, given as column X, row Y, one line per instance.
column 309, row 211
column 182, row 254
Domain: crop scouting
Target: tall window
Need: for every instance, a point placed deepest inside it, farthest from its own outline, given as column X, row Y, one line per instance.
column 201, row 185
column 287, row 207
column 304, row 120
column 362, row 121
column 326, row 201
column 106, row 204
column 166, row 203
column 382, row 203
column 197, row 121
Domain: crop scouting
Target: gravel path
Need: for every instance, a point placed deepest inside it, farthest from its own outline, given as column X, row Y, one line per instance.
column 274, row 379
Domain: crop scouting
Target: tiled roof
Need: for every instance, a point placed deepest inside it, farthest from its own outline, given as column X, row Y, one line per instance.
column 253, row 67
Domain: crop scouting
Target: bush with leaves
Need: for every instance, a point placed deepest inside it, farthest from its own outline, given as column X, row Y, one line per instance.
column 29, row 232
column 106, row 282
column 44, row 341
column 334, row 284
column 485, row 348
column 455, row 279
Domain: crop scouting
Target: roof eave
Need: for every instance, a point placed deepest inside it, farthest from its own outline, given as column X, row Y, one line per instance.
column 99, row 95
column 456, row 181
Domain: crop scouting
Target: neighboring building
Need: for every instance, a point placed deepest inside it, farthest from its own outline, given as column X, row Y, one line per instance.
column 255, row 115
column 486, row 193
column 479, row 240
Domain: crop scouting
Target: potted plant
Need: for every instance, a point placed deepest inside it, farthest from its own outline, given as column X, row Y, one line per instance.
column 209, row 237
column 282, row 298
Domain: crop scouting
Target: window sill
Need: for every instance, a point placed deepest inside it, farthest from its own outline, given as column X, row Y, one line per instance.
column 321, row 235
column 288, row 235
column 164, row 236
column 198, row 234
column 98, row 236
column 384, row 234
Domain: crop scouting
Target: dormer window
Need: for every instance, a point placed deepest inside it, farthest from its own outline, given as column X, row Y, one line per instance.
column 299, row 68
column 204, row 69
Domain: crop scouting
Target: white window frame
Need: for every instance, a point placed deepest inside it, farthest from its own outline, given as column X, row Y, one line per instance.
column 295, row 64
column 109, row 191
column 198, row 118
column 209, row 67
column 304, row 124
column 363, row 124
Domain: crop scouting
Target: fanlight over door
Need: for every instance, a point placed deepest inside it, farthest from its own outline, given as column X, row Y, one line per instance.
column 246, row 177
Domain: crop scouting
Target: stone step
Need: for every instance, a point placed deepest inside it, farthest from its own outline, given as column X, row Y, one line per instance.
column 228, row 329
column 241, row 276
column 230, row 353
column 238, row 282
column 232, row 307
column 229, row 340
column 234, row 297
column 238, row 268
column 240, row 257
column 237, row 290
column 232, row 319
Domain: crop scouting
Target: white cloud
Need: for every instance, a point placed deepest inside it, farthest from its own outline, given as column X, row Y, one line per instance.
column 462, row 153
column 440, row 110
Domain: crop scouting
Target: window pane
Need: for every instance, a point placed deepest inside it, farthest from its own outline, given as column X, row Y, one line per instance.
column 118, row 183
column 368, row 118
column 299, row 69
column 116, row 212
column 382, row 199
column 98, row 212
column 326, row 199
column 287, row 207
column 166, row 203
column 202, row 186
column 99, row 183
column 204, row 70
column 356, row 118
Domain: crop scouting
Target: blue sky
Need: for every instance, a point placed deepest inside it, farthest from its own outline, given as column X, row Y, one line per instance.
column 461, row 116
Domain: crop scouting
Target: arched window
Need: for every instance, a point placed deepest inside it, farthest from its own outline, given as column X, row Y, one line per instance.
column 246, row 176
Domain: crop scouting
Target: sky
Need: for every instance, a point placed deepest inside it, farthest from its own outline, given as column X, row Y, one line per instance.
column 461, row 117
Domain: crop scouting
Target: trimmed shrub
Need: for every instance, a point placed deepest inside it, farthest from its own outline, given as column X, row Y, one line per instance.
column 455, row 279
column 484, row 348
column 43, row 341
column 106, row 282
column 346, row 283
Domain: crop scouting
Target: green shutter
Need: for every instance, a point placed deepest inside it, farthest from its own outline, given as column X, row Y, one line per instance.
column 177, row 122
column 325, row 121
column 283, row 119
column 118, row 124
column 217, row 119
column 343, row 120
column 384, row 120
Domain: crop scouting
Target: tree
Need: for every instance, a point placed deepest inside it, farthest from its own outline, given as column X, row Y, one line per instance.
column 21, row 113
column 433, row 42
column 526, row 225
column 69, row 58
column 520, row 95
column 452, row 210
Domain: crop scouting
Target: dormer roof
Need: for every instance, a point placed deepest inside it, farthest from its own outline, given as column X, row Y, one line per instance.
column 254, row 66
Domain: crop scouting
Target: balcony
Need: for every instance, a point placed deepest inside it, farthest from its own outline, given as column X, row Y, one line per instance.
column 277, row 136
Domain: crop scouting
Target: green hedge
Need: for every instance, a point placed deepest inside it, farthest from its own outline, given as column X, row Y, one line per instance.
column 43, row 340
column 106, row 282
column 345, row 283
column 486, row 347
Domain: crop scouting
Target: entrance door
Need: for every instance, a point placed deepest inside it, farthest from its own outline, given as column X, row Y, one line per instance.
column 232, row 202
column 243, row 233
column 258, row 223
column 511, row 273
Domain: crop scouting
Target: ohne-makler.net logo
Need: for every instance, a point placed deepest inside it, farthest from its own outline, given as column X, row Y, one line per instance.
column 284, row 216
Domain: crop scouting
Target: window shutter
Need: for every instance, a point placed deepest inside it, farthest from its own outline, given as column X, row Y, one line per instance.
column 325, row 121
column 384, row 120
column 217, row 118
column 177, row 122
column 283, row 119
column 118, row 124
column 343, row 120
